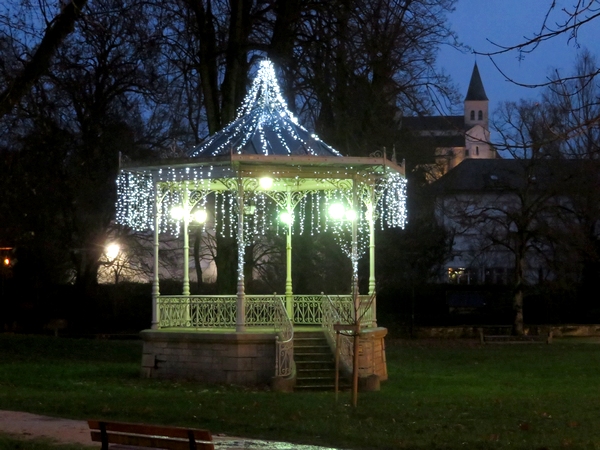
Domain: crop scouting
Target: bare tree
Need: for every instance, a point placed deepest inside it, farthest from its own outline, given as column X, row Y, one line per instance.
column 574, row 107
column 557, row 21
column 507, row 217
column 82, row 113
column 349, row 66
column 120, row 84
column 36, row 62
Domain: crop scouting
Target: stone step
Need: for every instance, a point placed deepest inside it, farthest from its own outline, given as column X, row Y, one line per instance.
column 309, row 334
column 315, row 364
column 310, row 342
column 313, row 357
column 313, row 349
column 321, row 383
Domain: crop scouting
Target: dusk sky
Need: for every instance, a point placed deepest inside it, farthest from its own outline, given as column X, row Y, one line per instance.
column 506, row 22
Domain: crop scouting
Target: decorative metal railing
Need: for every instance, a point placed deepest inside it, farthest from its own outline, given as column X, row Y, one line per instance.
column 332, row 315
column 308, row 309
column 202, row 311
column 284, row 356
column 210, row 311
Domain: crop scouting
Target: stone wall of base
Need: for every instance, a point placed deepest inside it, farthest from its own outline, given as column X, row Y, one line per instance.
column 371, row 353
column 246, row 359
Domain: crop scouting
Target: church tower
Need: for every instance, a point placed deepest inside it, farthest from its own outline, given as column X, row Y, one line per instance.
column 477, row 138
column 476, row 101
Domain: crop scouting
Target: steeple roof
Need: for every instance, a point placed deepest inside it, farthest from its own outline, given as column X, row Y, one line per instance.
column 264, row 126
column 476, row 90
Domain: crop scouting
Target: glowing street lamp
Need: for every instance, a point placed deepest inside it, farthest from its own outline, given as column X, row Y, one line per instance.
column 177, row 212
column 286, row 218
column 112, row 250
column 265, row 183
column 200, row 216
column 337, row 211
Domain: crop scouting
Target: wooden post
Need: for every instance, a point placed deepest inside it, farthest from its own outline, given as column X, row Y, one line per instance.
column 355, row 329
column 337, row 364
column 355, row 370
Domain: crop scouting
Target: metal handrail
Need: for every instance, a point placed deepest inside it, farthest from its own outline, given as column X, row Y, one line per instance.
column 284, row 356
column 333, row 316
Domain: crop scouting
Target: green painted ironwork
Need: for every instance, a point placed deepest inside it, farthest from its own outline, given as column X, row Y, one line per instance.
column 332, row 315
column 218, row 311
column 284, row 357
column 307, row 310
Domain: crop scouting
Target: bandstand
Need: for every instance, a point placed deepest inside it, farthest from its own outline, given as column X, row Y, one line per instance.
column 263, row 173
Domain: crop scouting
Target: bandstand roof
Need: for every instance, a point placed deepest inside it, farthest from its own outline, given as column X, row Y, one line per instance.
column 264, row 126
column 265, row 140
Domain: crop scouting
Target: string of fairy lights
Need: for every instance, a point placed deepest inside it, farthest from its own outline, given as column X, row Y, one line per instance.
column 218, row 197
column 263, row 126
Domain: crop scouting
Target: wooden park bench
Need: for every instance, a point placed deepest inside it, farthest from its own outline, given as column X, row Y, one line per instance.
column 124, row 435
column 511, row 339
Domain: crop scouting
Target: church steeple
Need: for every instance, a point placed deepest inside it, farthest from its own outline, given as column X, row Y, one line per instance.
column 476, row 90
column 477, row 139
column 476, row 102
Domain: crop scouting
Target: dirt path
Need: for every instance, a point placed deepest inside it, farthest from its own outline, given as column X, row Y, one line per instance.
column 30, row 426
column 33, row 426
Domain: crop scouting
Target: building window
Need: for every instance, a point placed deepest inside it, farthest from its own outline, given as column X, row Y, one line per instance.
column 477, row 150
column 462, row 275
column 499, row 275
column 480, row 115
column 466, row 152
column 472, row 115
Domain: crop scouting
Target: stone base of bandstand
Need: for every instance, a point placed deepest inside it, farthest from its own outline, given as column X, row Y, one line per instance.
column 371, row 356
column 246, row 359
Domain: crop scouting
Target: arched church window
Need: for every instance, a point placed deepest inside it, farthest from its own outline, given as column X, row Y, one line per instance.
column 472, row 115
column 477, row 150
column 480, row 115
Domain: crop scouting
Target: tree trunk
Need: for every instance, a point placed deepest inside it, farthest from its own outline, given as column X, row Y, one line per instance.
column 197, row 242
column 233, row 88
column 226, row 262
column 518, row 311
column 56, row 33
column 518, row 294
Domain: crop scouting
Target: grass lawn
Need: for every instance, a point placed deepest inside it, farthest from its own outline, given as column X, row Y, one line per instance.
column 440, row 394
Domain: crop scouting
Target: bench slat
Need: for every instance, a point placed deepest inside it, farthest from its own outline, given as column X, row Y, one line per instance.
column 160, row 430
column 151, row 441
column 151, row 436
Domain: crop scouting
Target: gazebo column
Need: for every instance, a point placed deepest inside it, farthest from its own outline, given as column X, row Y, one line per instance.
column 371, row 220
column 240, row 312
column 289, row 295
column 186, row 256
column 186, row 243
column 354, row 256
column 372, row 287
column 155, row 280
